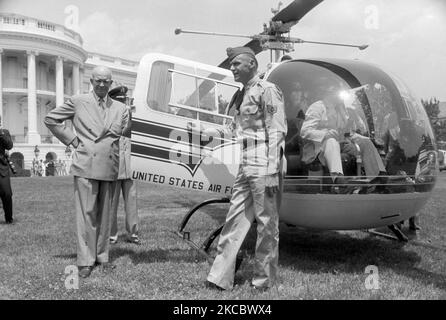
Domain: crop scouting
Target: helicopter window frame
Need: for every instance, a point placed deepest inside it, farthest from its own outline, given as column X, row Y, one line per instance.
column 197, row 110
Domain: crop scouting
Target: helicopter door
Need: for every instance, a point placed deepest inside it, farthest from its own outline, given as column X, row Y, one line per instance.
column 170, row 94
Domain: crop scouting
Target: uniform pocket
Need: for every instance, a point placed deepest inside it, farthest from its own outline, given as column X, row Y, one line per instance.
column 250, row 109
column 116, row 128
column 82, row 148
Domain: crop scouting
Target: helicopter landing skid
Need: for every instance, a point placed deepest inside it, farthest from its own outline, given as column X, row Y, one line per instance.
column 414, row 242
column 202, row 248
column 185, row 236
column 399, row 235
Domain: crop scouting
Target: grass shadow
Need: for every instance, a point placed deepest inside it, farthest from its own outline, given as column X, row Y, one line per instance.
column 157, row 255
column 65, row 256
column 331, row 252
column 334, row 252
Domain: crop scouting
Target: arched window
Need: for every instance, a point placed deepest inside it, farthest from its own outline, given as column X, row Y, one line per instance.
column 18, row 159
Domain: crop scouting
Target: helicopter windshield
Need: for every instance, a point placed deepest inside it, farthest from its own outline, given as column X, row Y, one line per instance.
column 369, row 104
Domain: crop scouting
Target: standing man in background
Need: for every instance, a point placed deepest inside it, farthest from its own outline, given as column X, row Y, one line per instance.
column 5, row 180
column 99, row 122
column 125, row 182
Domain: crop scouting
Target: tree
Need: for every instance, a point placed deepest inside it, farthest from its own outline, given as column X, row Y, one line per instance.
column 432, row 107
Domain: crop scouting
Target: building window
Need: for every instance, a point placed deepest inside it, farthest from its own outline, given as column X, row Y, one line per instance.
column 107, row 59
column 12, row 20
column 46, row 26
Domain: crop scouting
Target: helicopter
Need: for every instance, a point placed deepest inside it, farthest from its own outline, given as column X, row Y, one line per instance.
column 172, row 93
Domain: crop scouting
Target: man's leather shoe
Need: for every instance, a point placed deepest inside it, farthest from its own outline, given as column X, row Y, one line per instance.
column 340, row 179
column 134, row 239
column 211, row 285
column 382, row 178
column 413, row 226
column 259, row 289
column 106, row 266
column 84, row 272
column 341, row 186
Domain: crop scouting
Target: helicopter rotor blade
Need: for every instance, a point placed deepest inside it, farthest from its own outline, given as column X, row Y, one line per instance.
column 254, row 44
column 296, row 10
column 206, row 86
column 179, row 31
column 297, row 40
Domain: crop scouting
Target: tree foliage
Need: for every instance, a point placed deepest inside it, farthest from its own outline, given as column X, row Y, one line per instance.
column 432, row 107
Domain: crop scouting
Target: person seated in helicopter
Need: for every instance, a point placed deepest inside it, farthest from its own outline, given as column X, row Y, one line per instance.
column 297, row 103
column 294, row 140
column 330, row 127
column 298, row 98
column 394, row 154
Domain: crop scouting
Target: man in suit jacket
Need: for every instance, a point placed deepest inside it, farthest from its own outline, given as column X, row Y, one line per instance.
column 5, row 182
column 99, row 122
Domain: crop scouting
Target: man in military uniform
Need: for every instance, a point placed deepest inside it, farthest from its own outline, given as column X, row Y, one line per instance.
column 125, row 182
column 259, row 124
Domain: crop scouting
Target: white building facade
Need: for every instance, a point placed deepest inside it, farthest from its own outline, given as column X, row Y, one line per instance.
column 41, row 64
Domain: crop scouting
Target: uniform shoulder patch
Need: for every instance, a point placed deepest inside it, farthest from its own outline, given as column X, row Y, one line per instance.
column 271, row 109
column 265, row 84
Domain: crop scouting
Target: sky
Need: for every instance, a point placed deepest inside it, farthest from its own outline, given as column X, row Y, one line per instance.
column 405, row 37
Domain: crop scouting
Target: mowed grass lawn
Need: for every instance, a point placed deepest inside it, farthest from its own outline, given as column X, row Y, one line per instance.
column 35, row 251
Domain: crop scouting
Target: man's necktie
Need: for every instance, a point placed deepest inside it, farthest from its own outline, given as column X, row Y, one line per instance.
column 103, row 109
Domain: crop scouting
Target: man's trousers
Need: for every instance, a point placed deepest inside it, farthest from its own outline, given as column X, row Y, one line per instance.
column 128, row 188
column 249, row 201
column 6, row 195
column 93, row 203
column 371, row 160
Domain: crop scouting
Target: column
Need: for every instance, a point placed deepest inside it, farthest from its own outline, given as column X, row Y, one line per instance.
column 59, row 81
column 76, row 81
column 81, row 80
column 33, row 135
column 1, row 85
column 59, row 87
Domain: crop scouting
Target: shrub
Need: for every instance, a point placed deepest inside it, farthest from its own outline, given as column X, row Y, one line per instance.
column 22, row 173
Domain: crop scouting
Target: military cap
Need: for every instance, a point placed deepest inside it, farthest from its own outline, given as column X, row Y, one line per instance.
column 286, row 57
column 233, row 52
column 118, row 93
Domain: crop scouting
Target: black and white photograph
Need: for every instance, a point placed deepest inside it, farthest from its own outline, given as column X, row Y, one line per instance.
column 223, row 155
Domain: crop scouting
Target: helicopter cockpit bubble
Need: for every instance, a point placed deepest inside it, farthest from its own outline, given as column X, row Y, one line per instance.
column 379, row 106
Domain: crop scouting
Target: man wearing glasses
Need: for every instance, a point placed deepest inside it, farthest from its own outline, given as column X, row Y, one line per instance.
column 99, row 122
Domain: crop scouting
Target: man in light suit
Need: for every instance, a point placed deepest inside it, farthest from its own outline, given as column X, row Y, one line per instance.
column 125, row 182
column 327, row 126
column 99, row 122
